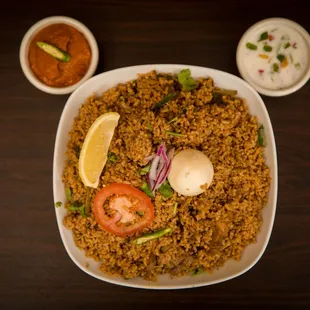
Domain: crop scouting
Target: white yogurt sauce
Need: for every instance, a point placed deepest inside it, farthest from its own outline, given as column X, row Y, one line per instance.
column 279, row 61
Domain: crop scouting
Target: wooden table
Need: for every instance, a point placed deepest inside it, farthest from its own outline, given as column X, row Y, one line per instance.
column 35, row 270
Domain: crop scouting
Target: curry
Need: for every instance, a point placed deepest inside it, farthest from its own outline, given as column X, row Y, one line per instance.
column 51, row 71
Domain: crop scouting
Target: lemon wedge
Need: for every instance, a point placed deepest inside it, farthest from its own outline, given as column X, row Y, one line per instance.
column 94, row 153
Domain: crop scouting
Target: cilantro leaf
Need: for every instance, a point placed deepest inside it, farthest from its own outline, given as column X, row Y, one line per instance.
column 76, row 208
column 186, row 80
column 58, row 204
column 112, row 158
column 68, row 194
column 251, row 46
column 145, row 170
column 166, row 190
column 263, row 36
column 145, row 187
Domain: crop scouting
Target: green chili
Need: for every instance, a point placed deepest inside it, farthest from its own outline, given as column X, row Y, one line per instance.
column 152, row 236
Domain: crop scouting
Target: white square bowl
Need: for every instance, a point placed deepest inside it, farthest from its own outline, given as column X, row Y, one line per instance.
column 104, row 81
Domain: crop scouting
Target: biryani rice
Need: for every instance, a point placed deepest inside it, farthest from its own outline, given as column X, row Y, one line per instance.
column 208, row 229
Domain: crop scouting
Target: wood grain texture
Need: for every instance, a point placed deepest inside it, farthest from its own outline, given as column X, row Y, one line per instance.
column 35, row 271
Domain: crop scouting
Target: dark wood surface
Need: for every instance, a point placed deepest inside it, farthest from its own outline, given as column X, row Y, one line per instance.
column 35, row 270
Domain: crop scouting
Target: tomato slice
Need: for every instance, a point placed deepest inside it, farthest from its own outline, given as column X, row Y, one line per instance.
column 123, row 209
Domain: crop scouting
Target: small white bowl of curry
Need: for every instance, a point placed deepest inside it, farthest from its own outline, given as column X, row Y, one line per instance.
column 58, row 54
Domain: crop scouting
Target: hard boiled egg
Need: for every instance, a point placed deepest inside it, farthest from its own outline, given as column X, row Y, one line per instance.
column 191, row 171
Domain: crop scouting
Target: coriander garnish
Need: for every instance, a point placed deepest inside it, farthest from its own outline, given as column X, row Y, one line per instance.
column 145, row 187
column 267, row 48
column 251, row 46
column 263, row 36
column 281, row 57
column 297, row 65
column 166, row 190
column 68, row 194
column 285, row 37
column 58, row 204
column 186, row 80
column 112, row 158
column 140, row 213
column 198, row 271
column 145, row 170
column 77, row 209
column 275, row 67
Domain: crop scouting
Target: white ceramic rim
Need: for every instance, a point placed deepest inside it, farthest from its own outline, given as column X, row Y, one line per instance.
column 243, row 72
column 166, row 68
column 23, row 53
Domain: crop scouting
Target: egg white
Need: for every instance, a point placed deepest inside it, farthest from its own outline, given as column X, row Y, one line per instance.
column 191, row 170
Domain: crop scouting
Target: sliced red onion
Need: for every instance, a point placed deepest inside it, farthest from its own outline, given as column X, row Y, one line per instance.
column 170, row 156
column 149, row 181
column 162, row 148
column 157, row 162
column 154, row 166
column 160, row 178
column 164, row 155
column 160, row 167
column 165, row 175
